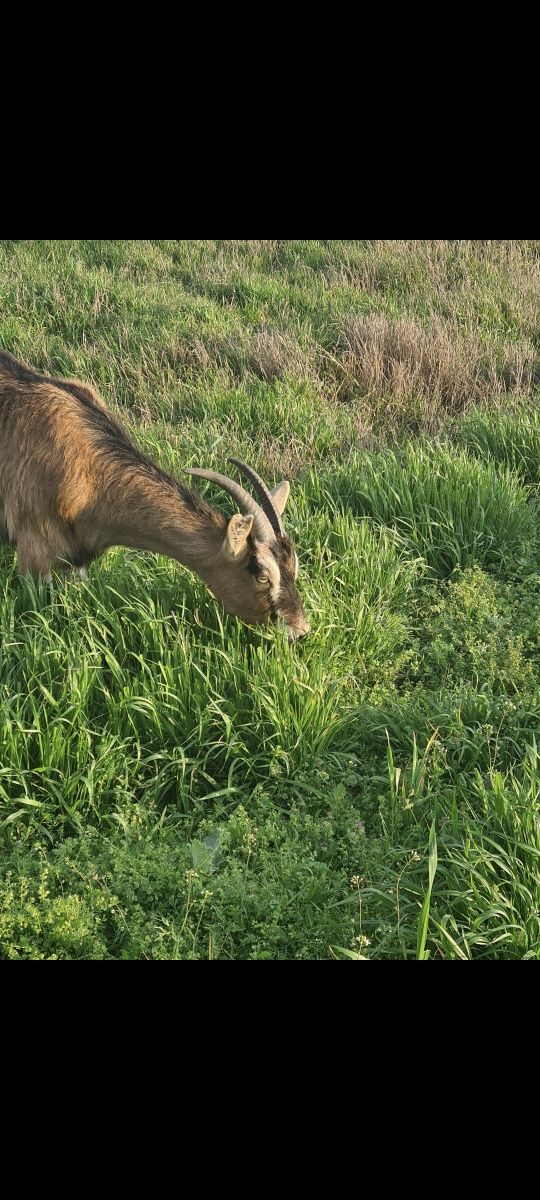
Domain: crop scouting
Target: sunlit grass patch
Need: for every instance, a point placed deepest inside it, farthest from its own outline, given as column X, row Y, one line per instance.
column 510, row 437
column 452, row 509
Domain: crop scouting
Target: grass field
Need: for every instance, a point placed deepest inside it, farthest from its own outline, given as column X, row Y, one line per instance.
column 175, row 785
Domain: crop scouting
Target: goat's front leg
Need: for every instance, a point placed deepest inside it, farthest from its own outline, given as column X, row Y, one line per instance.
column 34, row 555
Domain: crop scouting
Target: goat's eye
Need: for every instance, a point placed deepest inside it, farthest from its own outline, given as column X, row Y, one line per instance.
column 262, row 578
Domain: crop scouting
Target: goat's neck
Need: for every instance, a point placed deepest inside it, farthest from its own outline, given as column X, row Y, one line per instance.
column 150, row 513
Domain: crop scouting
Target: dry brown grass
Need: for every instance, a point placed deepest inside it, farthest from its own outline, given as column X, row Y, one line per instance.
column 271, row 355
column 435, row 370
column 186, row 354
column 280, row 460
column 268, row 354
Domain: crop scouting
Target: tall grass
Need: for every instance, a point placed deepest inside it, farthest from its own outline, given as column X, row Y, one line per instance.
column 450, row 508
column 510, row 438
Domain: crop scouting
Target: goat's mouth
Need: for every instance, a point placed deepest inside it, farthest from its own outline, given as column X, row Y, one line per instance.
column 297, row 635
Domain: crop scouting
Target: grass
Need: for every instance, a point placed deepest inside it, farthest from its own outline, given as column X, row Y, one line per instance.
column 451, row 509
column 175, row 785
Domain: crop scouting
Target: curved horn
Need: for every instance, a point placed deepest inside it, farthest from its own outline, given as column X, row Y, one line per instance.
column 245, row 502
column 267, row 503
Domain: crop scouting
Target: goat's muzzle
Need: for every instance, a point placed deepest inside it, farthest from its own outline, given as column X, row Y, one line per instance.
column 299, row 632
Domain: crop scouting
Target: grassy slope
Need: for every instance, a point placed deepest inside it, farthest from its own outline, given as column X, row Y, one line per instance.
column 175, row 785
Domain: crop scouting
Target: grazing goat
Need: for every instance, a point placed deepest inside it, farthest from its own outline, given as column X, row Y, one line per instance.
column 72, row 484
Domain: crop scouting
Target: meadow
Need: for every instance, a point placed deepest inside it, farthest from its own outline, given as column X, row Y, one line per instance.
column 175, row 785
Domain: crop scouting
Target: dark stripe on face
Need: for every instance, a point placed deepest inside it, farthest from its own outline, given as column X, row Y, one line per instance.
column 253, row 566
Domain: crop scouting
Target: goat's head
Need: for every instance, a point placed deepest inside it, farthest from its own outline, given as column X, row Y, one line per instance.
column 255, row 576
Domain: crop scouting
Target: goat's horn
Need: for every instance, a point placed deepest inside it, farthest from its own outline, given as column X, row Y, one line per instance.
column 267, row 503
column 245, row 502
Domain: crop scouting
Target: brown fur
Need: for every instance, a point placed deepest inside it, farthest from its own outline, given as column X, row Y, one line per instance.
column 72, row 484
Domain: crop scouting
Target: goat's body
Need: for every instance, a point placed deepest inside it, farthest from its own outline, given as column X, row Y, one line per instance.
column 72, row 483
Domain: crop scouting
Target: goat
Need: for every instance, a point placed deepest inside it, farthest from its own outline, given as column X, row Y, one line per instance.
column 72, row 484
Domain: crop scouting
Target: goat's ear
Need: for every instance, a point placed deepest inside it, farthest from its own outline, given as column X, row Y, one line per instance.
column 237, row 534
column 280, row 495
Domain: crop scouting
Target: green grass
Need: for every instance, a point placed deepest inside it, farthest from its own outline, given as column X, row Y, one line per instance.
column 175, row 785
column 451, row 509
column 510, row 438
